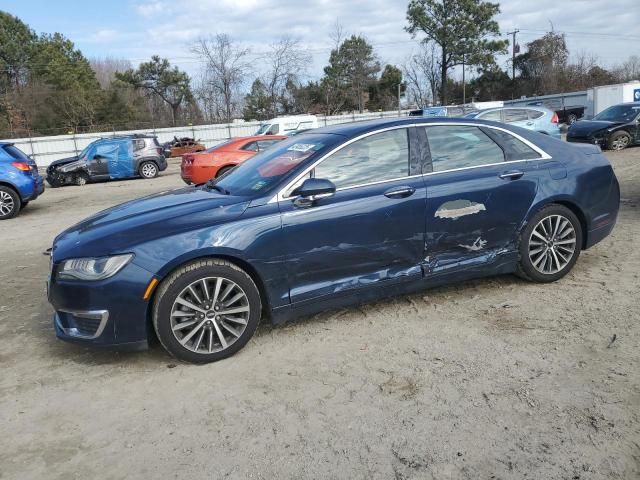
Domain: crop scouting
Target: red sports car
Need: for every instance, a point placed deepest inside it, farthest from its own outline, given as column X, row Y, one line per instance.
column 200, row 167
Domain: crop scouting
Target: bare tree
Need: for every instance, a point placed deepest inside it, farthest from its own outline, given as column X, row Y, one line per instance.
column 286, row 63
column 629, row 70
column 225, row 70
column 106, row 68
column 422, row 74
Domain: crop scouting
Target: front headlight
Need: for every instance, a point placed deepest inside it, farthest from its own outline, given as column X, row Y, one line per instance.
column 93, row 268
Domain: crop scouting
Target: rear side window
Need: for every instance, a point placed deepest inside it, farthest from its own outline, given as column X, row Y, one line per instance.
column 251, row 147
column 533, row 114
column 275, row 128
column 378, row 157
column 515, row 115
column 264, row 144
column 495, row 116
column 514, row 149
column 457, row 146
column 15, row 152
column 138, row 144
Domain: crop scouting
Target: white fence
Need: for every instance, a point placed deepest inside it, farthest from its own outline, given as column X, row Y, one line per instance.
column 45, row 150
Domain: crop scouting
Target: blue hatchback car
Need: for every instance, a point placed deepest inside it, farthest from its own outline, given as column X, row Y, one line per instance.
column 328, row 218
column 20, row 182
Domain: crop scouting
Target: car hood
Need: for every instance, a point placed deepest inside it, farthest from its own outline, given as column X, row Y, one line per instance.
column 119, row 229
column 586, row 127
column 64, row 161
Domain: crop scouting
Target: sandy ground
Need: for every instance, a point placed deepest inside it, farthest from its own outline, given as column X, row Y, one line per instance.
column 495, row 378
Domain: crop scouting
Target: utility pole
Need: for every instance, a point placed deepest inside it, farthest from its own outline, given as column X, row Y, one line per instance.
column 514, row 46
column 464, row 85
column 399, row 94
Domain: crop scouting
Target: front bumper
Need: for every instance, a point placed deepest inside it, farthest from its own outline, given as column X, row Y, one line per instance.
column 107, row 313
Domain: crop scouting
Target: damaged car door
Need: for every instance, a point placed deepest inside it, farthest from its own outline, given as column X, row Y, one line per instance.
column 371, row 230
column 481, row 182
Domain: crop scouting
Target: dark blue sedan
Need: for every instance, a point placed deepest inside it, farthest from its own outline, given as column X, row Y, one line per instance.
column 328, row 218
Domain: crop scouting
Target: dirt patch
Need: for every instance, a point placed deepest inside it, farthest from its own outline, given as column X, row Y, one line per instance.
column 496, row 378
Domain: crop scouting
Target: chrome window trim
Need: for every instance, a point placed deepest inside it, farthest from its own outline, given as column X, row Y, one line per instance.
column 285, row 193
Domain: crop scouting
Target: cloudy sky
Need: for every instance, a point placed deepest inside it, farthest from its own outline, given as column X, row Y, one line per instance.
column 137, row 29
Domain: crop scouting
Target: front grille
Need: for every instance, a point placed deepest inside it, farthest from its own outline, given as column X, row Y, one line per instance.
column 87, row 326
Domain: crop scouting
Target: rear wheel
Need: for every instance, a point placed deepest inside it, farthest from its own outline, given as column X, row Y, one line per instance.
column 10, row 203
column 572, row 118
column 550, row 244
column 148, row 170
column 206, row 311
column 619, row 141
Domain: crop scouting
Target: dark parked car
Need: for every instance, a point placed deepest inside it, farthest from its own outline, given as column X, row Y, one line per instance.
column 109, row 159
column 615, row 128
column 342, row 214
column 20, row 182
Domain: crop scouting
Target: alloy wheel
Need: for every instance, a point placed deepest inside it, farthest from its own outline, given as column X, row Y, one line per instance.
column 6, row 204
column 209, row 315
column 620, row 143
column 149, row 170
column 552, row 244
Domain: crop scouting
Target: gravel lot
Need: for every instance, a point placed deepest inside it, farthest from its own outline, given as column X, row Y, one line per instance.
column 495, row 378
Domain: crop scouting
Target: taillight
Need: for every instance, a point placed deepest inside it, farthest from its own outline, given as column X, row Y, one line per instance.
column 21, row 166
column 555, row 118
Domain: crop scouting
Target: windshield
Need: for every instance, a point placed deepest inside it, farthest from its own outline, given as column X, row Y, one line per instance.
column 263, row 129
column 258, row 174
column 619, row 113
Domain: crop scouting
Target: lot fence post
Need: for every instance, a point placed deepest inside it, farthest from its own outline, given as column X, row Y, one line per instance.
column 229, row 130
column 75, row 143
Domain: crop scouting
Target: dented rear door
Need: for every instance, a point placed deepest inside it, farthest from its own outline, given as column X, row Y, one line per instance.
column 476, row 197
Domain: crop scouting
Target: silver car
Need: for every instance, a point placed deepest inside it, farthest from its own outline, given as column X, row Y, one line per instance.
column 536, row 118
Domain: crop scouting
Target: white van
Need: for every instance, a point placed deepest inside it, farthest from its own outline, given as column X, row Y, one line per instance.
column 286, row 125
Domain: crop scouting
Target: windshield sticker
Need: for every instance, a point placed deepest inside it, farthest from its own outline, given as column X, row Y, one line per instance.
column 301, row 147
column 259, row 185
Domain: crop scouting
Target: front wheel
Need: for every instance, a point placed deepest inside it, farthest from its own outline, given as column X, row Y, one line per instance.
column 148, row 170
column 206, row 311
column 550, row 244
column 80, row 179
column 619, row 141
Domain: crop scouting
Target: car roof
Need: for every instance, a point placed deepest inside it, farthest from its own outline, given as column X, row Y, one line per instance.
column 358, row 128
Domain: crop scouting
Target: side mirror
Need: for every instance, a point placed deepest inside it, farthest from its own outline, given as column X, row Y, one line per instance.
column 313, row 189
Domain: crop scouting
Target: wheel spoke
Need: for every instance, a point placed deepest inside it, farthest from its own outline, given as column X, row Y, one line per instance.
column 189, row 335
column 230, row 330
column 226, row 292
column 216, row 292
column 235, row 310
column 234, row 299
column 205, row 289
column 541, row 237
column 180, row 313
column 199, row 341
column 183, row 325
column 210, row 340
column 242, row 321
column 190, row 305
column 556, row 260
column 223, row 341
column 195, row 295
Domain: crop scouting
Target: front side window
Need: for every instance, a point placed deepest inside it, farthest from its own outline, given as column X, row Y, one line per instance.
column 619, row 113
column 264, row 144
column 251, row 147
column 378, row 157
column 515, row 115
column 457, row 146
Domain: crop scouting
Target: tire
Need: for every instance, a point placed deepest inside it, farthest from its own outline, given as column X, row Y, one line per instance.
column 619, row 141
column 10, row 203
column 224, row 171
column 80, row 179
column 53, row 183
column 148, row 170
column 547, row 258
column 24, row 205
column 213, row 337
column 572, row 118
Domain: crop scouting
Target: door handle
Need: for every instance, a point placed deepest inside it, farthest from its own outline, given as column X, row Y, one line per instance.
column 529, row 123
column 399, row 192
column 512, row 175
